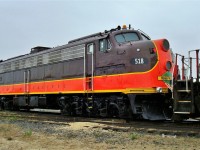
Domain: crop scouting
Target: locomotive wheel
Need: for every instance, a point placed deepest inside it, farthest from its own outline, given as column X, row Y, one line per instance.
column 16, row 108
column 113, row 112
column 65, row 110
column 93, row 109
column 73, row 110
column 7, row 105
column 1, row 106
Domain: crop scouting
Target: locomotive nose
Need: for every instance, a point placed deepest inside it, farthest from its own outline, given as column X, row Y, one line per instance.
column 143, row 56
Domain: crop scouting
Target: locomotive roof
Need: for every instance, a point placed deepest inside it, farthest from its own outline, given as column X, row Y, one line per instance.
column 38, row 50
column 41, row 50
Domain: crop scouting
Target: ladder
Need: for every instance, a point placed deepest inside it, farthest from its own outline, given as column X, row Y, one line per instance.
column 183, row 97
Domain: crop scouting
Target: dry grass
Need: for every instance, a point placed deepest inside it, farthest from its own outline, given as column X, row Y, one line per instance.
column 14, row 138
column 85, row 136
column 9, row 131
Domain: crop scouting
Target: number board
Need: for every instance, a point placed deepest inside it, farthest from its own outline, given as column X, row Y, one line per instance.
column 139, row 61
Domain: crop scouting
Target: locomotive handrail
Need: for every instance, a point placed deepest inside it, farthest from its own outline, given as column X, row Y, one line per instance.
column 172, row 86
column 84, row 71
column 184, row 76
column 92, row 70
column 28, row 80
column 24, row 81
column 144, row 33
column 87, row 37
column 197, row 63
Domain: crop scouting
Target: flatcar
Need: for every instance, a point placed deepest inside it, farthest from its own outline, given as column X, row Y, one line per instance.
column 116, row 73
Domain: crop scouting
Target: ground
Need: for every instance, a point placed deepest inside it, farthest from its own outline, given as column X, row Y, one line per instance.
column 21, row 134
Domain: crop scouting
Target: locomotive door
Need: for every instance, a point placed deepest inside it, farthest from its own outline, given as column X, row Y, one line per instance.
column 89, row 67
column 26, row 81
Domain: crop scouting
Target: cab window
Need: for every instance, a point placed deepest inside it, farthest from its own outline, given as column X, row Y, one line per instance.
column 104, row 45
column 127, row 37
column 144, row 37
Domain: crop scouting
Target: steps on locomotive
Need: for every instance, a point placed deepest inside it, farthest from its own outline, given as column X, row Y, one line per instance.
column 183, row 95
column 183, row 107
column 181, row 85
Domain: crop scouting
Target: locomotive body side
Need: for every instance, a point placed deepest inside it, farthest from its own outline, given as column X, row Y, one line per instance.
column 106, row 74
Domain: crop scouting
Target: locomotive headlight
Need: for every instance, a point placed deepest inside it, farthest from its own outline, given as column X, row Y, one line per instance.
column 168, row 65
column 159, row 90
column 165, row 45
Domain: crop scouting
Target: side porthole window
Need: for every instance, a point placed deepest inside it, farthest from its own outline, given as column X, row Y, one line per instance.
column 104, row 45
column 90, row 48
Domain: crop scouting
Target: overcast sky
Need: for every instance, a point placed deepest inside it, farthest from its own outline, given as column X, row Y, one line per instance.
column 28, row 23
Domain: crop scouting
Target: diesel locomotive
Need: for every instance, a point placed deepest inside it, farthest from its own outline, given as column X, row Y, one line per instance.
column 116, row 73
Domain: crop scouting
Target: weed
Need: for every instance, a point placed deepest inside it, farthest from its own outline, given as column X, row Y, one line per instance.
column 13, row 118
column 28, row 133
column 97, row 134
column 134, row 136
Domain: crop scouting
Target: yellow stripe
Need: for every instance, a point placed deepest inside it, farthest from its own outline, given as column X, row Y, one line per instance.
column 125, row 91
column 144, row 90
column 13, row 94
column 156, row 51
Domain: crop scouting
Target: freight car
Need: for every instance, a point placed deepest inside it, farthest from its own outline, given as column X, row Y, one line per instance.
column 117, row 73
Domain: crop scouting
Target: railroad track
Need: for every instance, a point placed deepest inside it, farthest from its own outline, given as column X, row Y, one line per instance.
column 188, row 128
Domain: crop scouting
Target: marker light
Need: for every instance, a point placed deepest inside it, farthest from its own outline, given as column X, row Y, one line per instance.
column 124, row 27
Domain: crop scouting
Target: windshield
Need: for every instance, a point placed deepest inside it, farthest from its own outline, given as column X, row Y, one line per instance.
column 127, row 37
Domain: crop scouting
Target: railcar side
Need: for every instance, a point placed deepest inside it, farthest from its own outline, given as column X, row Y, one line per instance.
column 120, row 73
